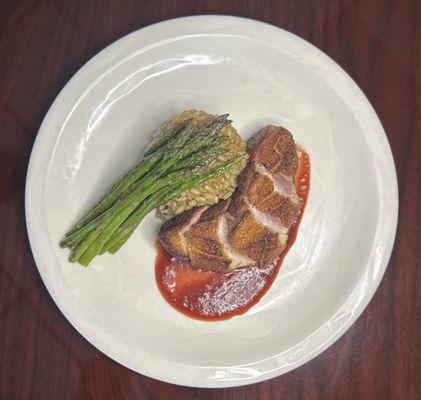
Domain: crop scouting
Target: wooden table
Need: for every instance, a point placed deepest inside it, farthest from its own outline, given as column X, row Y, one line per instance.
column 43, row 43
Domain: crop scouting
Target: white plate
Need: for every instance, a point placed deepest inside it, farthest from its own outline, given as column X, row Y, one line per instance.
column 98, row 127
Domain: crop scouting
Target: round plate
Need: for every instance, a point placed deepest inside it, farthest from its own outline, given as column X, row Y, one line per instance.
column 98, row 127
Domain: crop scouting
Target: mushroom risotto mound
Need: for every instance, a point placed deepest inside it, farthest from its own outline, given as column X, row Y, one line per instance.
column 210, row 192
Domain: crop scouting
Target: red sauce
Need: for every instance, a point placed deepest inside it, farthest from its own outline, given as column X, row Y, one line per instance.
column 213, row 296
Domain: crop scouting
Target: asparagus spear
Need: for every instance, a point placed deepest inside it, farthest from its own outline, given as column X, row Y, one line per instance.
column 125, row 206
column 84, row 245
column 74, row 237
column 126, row 229
column 187, row 140
column 95, row 246
column 129, row 178
column 166, row 137
column 112, row 195
column 114, row 217
column 201, row 158
column 170, row 134
column 188, row 155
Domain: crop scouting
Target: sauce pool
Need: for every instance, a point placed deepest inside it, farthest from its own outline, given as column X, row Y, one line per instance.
column 212, row 296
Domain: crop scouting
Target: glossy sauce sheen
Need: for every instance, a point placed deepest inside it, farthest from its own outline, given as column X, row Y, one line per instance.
column 214, row 296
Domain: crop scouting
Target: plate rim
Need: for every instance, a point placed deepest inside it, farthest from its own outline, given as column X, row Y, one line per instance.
column 388, row 238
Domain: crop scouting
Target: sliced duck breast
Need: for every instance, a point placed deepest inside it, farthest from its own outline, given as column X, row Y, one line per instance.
column 251, row 228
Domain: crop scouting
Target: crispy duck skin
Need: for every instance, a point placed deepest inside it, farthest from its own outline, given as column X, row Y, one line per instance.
column 172, row 232
column 204, row 245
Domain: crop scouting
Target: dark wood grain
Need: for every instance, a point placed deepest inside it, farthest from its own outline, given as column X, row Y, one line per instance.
column 44, row 42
